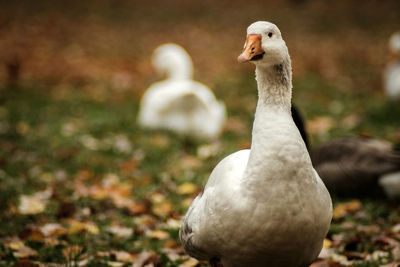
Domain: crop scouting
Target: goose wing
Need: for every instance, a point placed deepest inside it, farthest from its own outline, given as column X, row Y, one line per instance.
column 197, row 232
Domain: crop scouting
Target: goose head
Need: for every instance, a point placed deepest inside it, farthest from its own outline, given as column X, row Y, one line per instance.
column 264, row 45
column 173, row 61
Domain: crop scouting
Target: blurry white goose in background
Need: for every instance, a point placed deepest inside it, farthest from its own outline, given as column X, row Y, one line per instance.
column 392, row 71
column 178, row 103
column 265, row 206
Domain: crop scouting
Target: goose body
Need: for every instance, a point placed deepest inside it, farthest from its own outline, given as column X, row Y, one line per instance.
column 392, row 71
column 178, row 103
column 353, row 166
column 265, row 206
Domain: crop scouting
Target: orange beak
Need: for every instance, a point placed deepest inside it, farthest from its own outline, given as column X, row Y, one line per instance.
column 252, row 49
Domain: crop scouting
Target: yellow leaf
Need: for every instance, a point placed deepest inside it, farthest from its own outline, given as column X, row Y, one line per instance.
column 344, row 209
column 186, row 189
column 162, row 209
column 92, row 228
column 327, row 243
column 15, row 244
column 191, row 262
column 77, row 226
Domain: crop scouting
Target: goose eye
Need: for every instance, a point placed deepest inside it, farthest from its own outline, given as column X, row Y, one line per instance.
column 270, row 34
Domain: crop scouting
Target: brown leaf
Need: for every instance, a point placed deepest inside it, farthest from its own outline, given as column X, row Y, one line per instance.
column 25, row 263
column 145, row 259
column 128, row 166
column 190, row 162
column 25, row 252
column 32, row 233
column 320, row 125
column 66, row 209
column 350, row 121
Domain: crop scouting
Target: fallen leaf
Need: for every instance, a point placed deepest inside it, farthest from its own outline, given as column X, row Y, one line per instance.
column 350, row 121
column 53, row 229
column 158, row 234
column 190, row 162
column 77, row 226
column 191, row 262
column 145, row 259
column 123, row 256
column 25, row 263
column 377, row 255
column 208, row 150
column 128, row 166
column 115, row 263
column 344, row 209
column 29, row 205
column 327, row 243
column 32, row 233
column 320, row 125
column 162, row 209
column 120, row 231
column 173, row 223
column 187, row 189
column 20, row 250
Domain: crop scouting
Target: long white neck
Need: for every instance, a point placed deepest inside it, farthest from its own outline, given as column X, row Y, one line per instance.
column 176, row 64
column 181, row 69
column 274, row 85
column 275, row 138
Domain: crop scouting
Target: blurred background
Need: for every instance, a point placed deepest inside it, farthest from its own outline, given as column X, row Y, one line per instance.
column 71, row 77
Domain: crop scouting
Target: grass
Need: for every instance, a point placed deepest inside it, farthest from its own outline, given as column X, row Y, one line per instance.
column 51, row 143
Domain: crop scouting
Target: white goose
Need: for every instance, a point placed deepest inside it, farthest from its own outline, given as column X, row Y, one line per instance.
column 266, row 206
column 178, row 103
column 392, row 71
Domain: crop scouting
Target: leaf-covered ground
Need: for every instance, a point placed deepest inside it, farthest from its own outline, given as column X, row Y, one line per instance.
column 82, row 185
